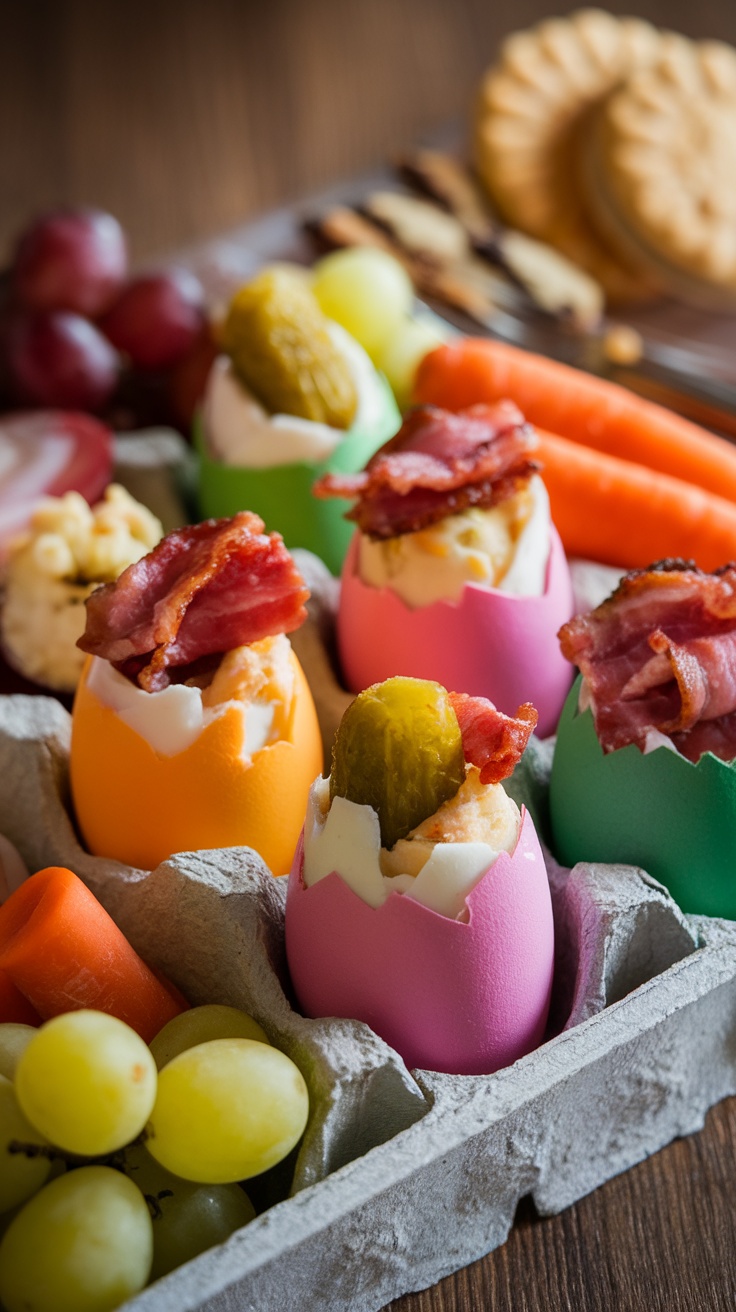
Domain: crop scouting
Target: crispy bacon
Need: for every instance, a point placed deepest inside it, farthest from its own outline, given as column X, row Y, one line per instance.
column 491, row 740
column 660, row 653
column 202, row 591
column 438, row 464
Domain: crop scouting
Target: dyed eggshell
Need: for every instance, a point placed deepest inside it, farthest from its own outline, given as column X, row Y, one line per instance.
column 282, row 495
column 659, row 811
column 140, row 807
column 466, row 998
column 489, row 644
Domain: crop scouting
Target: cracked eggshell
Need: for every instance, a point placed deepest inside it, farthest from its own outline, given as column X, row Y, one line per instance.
column 282, row 495
column 465, row 997
column 657, row 810
column 139, row 806
column 489, row 644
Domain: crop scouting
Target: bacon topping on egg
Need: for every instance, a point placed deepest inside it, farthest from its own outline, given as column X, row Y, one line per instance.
column 660, row 654
column 438, row 464
column 492, row 741
column 204, row 590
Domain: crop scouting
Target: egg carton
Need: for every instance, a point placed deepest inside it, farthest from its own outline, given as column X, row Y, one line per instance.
column 404, row 1176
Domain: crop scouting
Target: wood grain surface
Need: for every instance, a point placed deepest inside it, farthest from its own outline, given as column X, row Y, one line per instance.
column 186, row 117
column 659, row 1238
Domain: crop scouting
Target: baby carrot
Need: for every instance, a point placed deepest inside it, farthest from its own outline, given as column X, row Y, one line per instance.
column 14, row 1007
column 578, row 406
column 63, row 952
column 621, row 513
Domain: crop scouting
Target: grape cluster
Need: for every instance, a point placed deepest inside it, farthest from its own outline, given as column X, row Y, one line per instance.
column 120, row 1161
column 79, row 333
column 371, row 295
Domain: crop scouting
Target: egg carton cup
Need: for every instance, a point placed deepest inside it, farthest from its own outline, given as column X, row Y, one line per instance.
column 405, row 1176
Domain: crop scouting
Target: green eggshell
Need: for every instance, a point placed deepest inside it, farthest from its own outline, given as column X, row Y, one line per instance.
column 674, row 819
column 282, row 495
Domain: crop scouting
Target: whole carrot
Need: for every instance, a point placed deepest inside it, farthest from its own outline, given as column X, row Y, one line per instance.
column 63, row 952
column 621, row 513
column 578, row 406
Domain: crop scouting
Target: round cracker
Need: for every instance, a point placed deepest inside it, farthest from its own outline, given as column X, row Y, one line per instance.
column 531, row 108
column 660, row 159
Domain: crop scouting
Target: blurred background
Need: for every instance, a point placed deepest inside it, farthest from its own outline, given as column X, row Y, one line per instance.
column 187, row 117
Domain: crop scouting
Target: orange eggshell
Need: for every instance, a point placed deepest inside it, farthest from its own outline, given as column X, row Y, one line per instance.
column 140, row 807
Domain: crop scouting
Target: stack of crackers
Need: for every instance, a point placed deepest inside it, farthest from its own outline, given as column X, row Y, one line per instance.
column 616, row 143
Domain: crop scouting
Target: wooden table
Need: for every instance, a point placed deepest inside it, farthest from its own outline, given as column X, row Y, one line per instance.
column 186, row 117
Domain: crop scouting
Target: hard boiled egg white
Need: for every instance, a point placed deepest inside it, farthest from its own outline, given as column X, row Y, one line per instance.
column 188, row 781
column 466, row 995
column 655, row 810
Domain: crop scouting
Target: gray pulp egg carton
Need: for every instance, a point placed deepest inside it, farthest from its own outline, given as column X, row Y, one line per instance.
column 404, row 1176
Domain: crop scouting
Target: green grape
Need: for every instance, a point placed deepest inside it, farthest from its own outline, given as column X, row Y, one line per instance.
column 83, row 1244
column 87, row 1081
column 14, row 1039
column 187, row 1218
column 400, row 354
column 227, row 1110
column 367, row 291
column 398, row 749
column 200, row 1024
column 21, row 1175
column 279, row 343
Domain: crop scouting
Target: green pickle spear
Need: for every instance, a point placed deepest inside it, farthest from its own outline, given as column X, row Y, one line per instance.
column 277, row 338
column 399, row 749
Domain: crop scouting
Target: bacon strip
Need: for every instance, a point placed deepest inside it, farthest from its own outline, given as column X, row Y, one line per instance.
column 202, row 591
column 438, row 464
column 491, row 740
column 660, row 653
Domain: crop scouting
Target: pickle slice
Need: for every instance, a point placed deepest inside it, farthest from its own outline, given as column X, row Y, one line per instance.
column 399, row 749
column 278, row 340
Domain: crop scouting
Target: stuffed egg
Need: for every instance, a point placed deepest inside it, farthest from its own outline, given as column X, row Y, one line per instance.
column 293, row 396
column 456, row 573
column 418, row 900
column 643, row 771
column 193, row 725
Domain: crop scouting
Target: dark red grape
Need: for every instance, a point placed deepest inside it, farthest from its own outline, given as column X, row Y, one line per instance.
column 188, row 379
column 71, row 260
column 60, row 360
column 157, row 318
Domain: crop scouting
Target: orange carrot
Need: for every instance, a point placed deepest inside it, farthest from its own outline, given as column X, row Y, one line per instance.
column 13, row 1006
column 578, row 406
column 621, row 513
column 62, row 951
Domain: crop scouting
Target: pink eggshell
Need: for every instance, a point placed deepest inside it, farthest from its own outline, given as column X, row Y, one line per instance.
column 462, row 997
column 489, row 644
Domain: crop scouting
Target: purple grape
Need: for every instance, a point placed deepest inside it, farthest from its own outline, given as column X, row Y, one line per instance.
column 71, row 260
column 60, row 360
column 157, row 319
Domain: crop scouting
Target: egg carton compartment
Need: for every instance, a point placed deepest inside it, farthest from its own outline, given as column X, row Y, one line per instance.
column 405, row 1176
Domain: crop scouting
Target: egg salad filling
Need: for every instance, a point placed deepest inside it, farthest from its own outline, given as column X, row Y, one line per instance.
column 257, row 680
column 437, row 864
column 67, row 551
column 504, row 547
